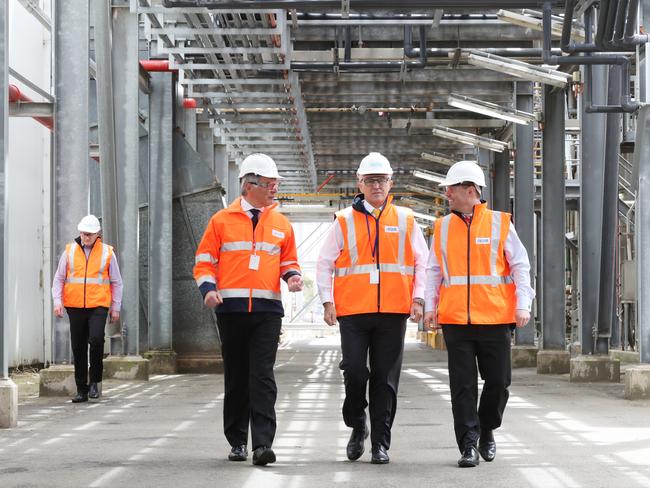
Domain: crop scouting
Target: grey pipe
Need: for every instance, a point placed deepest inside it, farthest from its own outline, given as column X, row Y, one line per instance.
column 320, row 5
column 619, row 24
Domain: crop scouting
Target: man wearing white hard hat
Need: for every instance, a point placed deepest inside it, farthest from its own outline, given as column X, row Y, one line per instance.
column 478, row 289
column 377, row 255
column 88, row 284
column 247, row 248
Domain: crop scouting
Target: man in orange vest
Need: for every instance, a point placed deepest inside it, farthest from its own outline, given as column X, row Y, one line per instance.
column 377, row 254
column 88, row 284
column 478, row 289
column 245, row 251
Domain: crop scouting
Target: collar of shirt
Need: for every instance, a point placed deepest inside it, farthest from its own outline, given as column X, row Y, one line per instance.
column 369, row 207
column 246, row 207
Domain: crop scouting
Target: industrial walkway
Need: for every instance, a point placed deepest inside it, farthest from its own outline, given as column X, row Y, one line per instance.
column 167, row 433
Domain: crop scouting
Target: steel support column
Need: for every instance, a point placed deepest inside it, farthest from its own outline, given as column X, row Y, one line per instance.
column 501, row 182
column 524, row 195
column 71, row 154
column 553, row 218
column 221, row 166
column 4, row 197
column 484, row 158
column 161, row 112
column 125, row 87
column 607, row 322
column 592, row 168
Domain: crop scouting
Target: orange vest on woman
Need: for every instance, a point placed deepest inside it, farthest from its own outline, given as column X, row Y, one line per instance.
column 88, row 282
column 383, row 282
column 229, row 250
column 476, row 285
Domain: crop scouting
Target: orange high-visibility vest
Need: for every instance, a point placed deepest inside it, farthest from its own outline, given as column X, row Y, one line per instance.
column 226, row 252
column 476, row 284
column 383, row 283
column 88, row 282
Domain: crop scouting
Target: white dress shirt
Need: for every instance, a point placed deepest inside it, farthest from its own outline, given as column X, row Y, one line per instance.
column 333, row 245
column 517, row 258
column 246, row 207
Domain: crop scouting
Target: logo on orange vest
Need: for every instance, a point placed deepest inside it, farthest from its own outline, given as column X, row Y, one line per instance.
column 483, row 240
column 277, row 233
column 391, row 229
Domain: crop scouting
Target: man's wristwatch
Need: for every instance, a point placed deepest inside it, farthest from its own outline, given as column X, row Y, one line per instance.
column 419, row 301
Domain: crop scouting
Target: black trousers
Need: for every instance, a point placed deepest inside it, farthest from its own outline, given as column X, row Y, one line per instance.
column 376, row 339
column 489, row 347
column 87, row 326
column 249, row 344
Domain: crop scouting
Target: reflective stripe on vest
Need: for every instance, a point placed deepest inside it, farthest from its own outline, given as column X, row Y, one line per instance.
column 247, row 292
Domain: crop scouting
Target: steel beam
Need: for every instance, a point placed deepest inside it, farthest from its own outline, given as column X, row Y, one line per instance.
column 161, row 113
column 553, row 219
column 501, row 179
column 4, row 187
column 524, row 214
column 71, row 151
column 125, row 86
column 592, row 169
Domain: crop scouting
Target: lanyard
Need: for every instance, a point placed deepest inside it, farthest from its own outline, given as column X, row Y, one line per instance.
column 373, row 248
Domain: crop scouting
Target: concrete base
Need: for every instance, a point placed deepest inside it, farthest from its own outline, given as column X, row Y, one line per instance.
column 8, row 404
column 524, row 356
column 126, row 368
column 637, row 382
column 57, row 380
column 595, row 368
column 440, row 341
column 161, row 362
column 553, row 362
column 199, row 364
column 28, row 384
column 627, row 357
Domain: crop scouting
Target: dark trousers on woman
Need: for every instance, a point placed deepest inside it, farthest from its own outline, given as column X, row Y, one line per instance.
column 87, row 327
column 376, row 339
column 489, row 347
column 249, row 343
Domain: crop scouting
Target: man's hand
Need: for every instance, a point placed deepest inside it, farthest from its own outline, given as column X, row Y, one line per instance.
column 58, row 310
column 416, row 311
column 430, row 321
column 295, row 283
column 115, row 316
column 330, row 313
column 212, row 299
column 521, row 317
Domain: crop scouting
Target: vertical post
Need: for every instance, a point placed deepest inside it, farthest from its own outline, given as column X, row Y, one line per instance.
column 501, row 190
column 106, row 120
column 485, row 161
column 160, row 212
column 553, row 216
column 125, row 86
column 607, row 292
column 71, row 155
column 524, row 198
column 591, row 206
column 221, row 167
column 233, row 181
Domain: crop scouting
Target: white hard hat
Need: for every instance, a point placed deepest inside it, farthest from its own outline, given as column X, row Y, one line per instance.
column 375, row 164
column 259, row 164
column 90, row 224
column 464, row 171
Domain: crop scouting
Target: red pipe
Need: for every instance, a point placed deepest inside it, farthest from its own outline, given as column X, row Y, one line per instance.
column 189, row 103
column 156, row 65
column 327, row 180
column 15, row 95
column 277, row 42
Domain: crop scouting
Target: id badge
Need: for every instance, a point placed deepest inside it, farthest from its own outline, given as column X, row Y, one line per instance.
column 374, row 277
column 254, row 262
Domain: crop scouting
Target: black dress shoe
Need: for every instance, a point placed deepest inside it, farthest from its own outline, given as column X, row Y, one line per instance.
column 94, row 391
column 80, row 397
column 263, row 456
column 355, row 444
column 469, row 459
column 238, row 453
column 487, row 450
column 379, row 455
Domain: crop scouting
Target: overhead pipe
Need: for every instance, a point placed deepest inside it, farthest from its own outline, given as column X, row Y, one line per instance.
column 630, row 38
column 352, row 17
column 16, row 96
column 354, row 4
column 626, row 103
column 156, row 65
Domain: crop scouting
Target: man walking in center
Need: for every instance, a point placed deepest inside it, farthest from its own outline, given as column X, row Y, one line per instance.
column 88, row 284
column 377, row 254
column 478, row 289
column 245, row 251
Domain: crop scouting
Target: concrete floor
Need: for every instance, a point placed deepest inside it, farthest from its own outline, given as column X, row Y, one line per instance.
column 167, row 433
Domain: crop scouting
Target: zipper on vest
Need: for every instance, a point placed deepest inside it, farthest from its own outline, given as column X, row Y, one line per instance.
column 468, row 224
column 378, row 273
column 85, row 272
